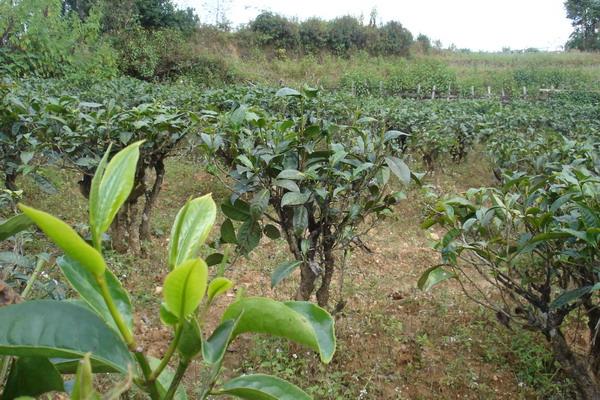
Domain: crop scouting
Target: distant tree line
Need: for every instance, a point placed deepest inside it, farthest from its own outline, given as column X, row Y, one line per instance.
column 340, row 36
column 157, row 40
column 585, row 18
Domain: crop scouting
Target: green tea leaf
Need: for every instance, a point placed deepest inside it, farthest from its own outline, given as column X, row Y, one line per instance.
column 214, row 259
column 287, row 184
column 296, row 321
column 573, row 295
column 272, row 232
column 111, row 187
column 399, row 168
column 432, row 276
column 286, row 91
column 228, row 232
column 14, row 225
column 283, row 271
column 290, row 174
column 217, row 287
column 32, row 376
column 68, row 240
column 259, row 204
column 214, row 347
column 166, row 316
column 190, row 343
column 262, row 387
column 239, row 211
column 294, row 199
column 191, row 228
column 184, row 287
column 49, row 328
column 249, row 236
column 86, row 285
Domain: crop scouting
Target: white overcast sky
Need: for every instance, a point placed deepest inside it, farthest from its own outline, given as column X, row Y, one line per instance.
column 486, row 25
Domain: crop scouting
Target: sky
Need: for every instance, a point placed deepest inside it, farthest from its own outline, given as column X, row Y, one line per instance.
column 487, row 25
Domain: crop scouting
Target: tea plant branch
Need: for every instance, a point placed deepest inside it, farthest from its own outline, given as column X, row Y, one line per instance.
column 38, row 267
column 128, row 337
column 168, row 354
column 179, row 373
column 115, row 314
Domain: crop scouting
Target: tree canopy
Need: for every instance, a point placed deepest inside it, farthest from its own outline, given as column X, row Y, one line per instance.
column 585, row 17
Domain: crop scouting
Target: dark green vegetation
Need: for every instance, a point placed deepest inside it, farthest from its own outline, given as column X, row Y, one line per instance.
column 585, row 16
column 152, row 40
column 326, row 156
column 49, row 337
column 313, row 167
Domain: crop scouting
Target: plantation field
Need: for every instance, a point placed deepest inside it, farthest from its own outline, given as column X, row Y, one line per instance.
column 431, row 231
column 508, row 72
column 394, row 341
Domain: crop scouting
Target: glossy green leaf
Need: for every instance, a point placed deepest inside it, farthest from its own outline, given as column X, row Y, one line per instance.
column 262, row 387
column 184, row 287
column 32, row 376
column 94, row 198
column 272, row 232
column 550, row 236
column 300, row 220
column 259, row 204
column 214, row 259
column 217, row 287
column 86, row 285
column 573, row 295
column 166, row 316
column 228, row 232
column 322, row 324
column 215, row 346
column 294, row 199
column 291, row 174
column 111, row 187
column 286, row 91
column 249, row 236
column 283, row 271
column 239, row 211
column 287, row 184
column 190, row 343
column 191, row 228
column 432, row 276
column 246, row 161
column 68, row 240
column 48, row 328
column 295, row 321
column 399, row 168
column 14, row 225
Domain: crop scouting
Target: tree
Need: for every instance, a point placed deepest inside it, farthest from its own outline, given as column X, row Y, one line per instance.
column 151, row 14
column 529, row 251
column 320, row 187
column 424, row 43
column 585, row 17
column 313, row 35
column 346, row 34
column 164, row 14
column 80, row 7
column 395, row 39
column 276, row 30
column 100, row 327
